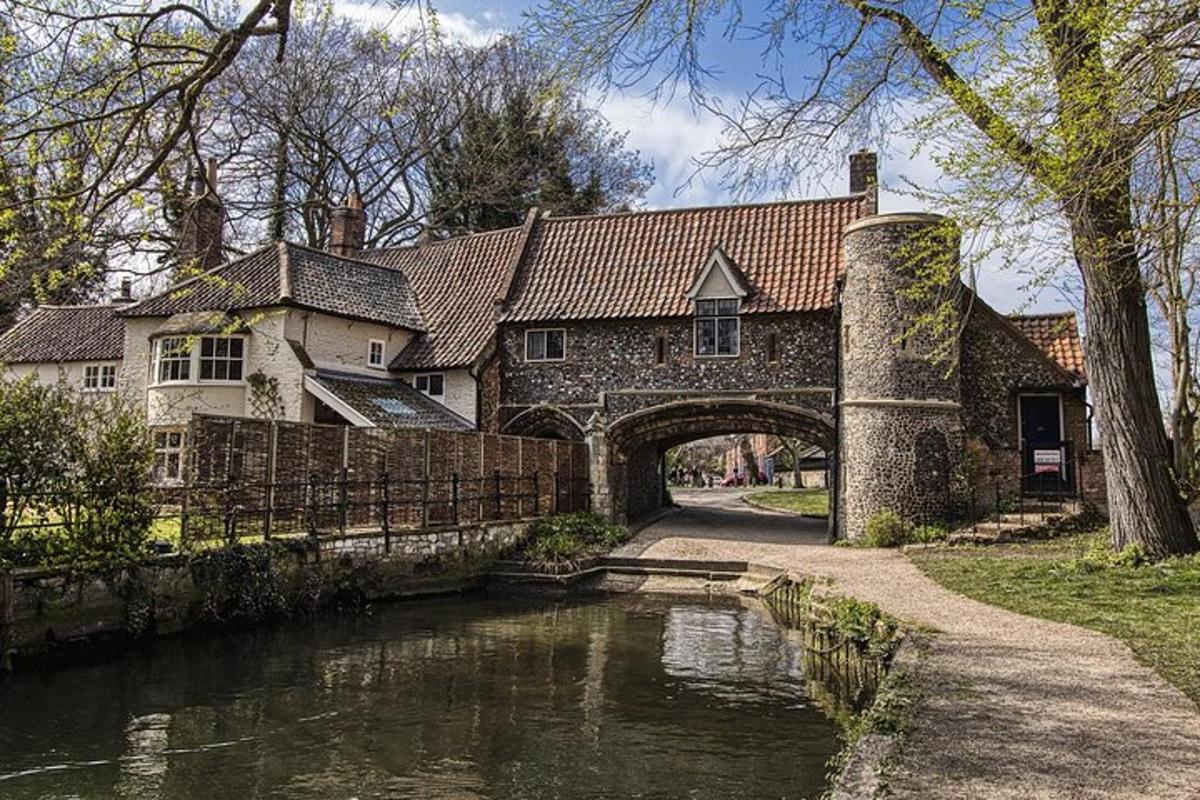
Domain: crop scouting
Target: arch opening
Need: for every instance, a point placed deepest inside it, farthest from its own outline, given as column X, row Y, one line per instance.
column 639, row 442
column 545, row 422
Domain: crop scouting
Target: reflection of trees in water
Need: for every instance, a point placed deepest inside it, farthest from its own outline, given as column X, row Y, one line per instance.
column 734, row 653
column 449, row 699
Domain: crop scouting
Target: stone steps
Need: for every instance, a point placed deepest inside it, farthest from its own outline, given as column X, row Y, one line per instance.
column 1012, row 526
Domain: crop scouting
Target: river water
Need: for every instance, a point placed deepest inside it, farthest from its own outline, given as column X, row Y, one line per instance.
column 620, row 697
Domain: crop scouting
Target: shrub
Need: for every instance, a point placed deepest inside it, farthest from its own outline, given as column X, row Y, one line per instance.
column 886, row 529
column 556, row 547
column 565, row 538
column 1100, row 556
column 863, row 623
column 73, row 471
column 106, row 506
column 925, row 534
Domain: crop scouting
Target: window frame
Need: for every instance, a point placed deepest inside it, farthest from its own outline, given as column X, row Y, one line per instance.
column 102, row 371
column 165, row 451
column 716, row 318
column 545, row 332
column 194, row 359
column 227, row 359
column 180, row 355
column 382, row 363
column 428, row 376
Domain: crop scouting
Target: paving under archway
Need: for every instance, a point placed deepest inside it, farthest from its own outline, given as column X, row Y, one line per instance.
column 630, row 476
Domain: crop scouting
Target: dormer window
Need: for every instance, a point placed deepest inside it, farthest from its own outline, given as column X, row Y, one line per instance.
column 716, row 295
column 717, row 327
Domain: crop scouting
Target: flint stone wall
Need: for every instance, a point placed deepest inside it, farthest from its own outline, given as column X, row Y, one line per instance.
column 901, row 420
column 612, row 361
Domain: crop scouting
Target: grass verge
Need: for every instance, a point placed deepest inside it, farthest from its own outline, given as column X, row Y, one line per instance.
column 808, row 502
column 1154, row 608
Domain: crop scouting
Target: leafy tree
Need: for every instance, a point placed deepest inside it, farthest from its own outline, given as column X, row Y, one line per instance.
column 76, row 465
column 96, row 99
column 1043, row 108
column 524, row 138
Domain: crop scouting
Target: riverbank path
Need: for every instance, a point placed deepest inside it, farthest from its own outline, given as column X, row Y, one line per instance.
column 1010, row 706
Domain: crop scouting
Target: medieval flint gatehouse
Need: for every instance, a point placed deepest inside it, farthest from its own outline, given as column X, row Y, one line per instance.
column 634, row 332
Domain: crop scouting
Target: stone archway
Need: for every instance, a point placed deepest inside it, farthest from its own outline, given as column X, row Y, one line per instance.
column 546, row 422
column 627, row 453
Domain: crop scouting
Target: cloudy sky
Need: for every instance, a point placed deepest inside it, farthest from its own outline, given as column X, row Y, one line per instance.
column 671, row 134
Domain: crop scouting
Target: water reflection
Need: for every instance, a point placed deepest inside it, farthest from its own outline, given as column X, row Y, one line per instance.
column 474, row 698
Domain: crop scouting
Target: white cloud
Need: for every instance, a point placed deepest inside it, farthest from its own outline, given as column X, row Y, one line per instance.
column 671, row 136
column 397, row 17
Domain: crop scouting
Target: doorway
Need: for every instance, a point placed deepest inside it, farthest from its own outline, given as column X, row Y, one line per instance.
column 1045, row 457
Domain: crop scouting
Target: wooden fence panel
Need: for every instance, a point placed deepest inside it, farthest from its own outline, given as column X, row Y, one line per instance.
column 275, row 477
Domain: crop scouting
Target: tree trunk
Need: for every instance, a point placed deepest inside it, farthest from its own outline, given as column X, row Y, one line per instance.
column 1146, row 506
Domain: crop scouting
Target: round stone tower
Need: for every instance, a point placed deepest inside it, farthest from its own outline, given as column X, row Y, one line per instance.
column 900, row 427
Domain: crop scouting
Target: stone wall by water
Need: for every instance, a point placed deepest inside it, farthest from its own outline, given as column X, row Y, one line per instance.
column 56, row 612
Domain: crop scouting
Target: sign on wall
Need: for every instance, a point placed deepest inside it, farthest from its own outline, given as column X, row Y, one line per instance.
column 1047, row 461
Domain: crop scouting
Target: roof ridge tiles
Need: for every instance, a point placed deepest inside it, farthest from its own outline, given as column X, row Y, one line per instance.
column 646, row 212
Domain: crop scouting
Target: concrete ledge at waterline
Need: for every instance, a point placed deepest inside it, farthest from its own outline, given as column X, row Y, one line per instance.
column 873, row 755
column 594, row 570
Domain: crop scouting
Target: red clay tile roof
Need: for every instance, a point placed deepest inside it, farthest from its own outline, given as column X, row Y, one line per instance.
column 289, row 273
column 55, row 334
column 1056, row 335
column 456, row 283
column 641, row 264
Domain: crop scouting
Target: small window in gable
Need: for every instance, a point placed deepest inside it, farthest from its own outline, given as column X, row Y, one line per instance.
column 717, row 327
column 375, row 353
column 546, row 345
column 431, row 385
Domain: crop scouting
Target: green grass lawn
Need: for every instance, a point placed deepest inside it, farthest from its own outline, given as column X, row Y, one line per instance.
column 1155, row 609
column 813, row 502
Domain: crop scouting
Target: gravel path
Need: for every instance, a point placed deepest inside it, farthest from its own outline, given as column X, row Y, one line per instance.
column 1012, row 706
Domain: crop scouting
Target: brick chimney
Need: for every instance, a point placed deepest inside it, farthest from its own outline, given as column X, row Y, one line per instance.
column 348, row 227
column 203, row 219
column 864, row 177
